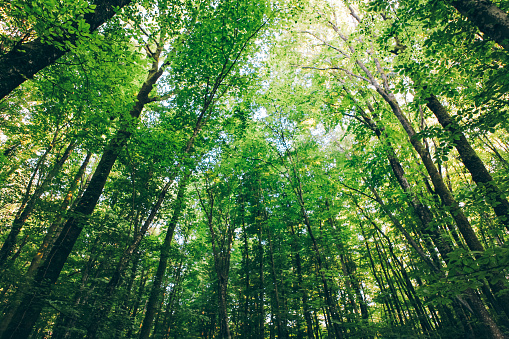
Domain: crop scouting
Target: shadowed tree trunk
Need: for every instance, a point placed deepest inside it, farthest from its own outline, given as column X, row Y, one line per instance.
column 300, row 285
column 46, row 243
column 221, row 249
column 25, row 60
column 27, row 208
column 103, row 310
column 472, row 162
column 47, row 274
column 157, row 287
column 53, row 230
column 281, row 328
column 490, row 19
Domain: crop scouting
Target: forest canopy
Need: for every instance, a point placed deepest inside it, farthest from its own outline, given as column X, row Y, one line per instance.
column 320, row 169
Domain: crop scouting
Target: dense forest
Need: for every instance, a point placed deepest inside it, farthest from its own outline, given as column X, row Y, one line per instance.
column 320, row 169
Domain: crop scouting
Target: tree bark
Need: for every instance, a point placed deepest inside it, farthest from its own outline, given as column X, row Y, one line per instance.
column 102, row 312
column 472, row 162
column 490, row 19
column 24, row 61
column 30, row 205
column 156, row 291
column 31, row 306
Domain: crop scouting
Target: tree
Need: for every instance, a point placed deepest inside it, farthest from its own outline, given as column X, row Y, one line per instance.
column 41, row 40
column 256, row 170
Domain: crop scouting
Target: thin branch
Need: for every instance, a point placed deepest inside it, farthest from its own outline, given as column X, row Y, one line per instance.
column 352, row 13
column 325, row 42
column 163, row 97
column 335, row 68
column 358, row 191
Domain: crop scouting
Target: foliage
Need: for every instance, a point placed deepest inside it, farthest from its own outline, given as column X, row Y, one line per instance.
column 269, row 188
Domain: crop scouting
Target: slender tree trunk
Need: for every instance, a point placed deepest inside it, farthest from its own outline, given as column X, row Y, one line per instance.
column 281, row 329
column 27, row 208
column 173, row 299
column 300, row 284
column 224, row 332
column 156, row 291
column 53, row 230
column 31, row 306
column 349, row 269
column 137, row 303
column 440, row 188
column 261, row 287
column 297, row 188
column 407, row 235
column 456, row 212
column 42, row 251
column 102, row 312
column 405, row 281
column 424, row 215
column 495, row 151
column 246, row 315
column 66, row 322
column 472, row 162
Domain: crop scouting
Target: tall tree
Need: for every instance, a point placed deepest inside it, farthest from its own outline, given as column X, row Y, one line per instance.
column 33, row 51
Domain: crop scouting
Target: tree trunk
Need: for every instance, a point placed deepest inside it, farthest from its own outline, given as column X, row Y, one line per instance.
column 445, row 195
column 349, row 269
column 25, row 60
column 102, row 312
column 281, row 329
column 300, row 282
column 156, row 291
column 406, row 284
column 245, row 254
column 490, row 19
column 137, row 302
column 65, row 322
column 261, row 287
column 30, row 308
column 440, row 188
column 53, row 232
column 472, row 162
column 173, row 299
column 30, row 202
column 424, row 215
column 42, row 251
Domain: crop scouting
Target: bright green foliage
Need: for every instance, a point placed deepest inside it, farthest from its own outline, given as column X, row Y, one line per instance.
column 303, row 201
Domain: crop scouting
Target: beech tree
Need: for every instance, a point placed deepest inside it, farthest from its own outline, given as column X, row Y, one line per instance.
column 239, row 169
